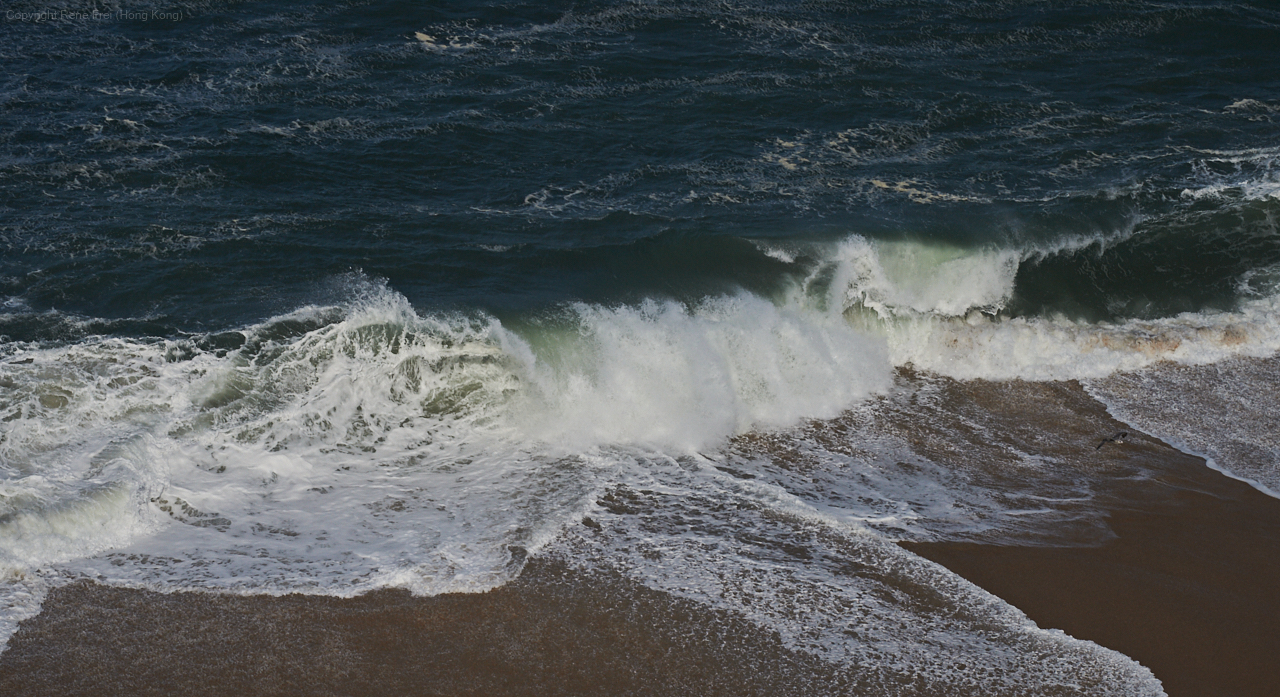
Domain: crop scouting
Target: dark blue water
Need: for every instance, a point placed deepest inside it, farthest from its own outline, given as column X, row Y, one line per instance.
column 201, row 172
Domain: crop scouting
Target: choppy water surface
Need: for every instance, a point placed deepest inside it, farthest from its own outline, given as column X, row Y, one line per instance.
column 330, row 297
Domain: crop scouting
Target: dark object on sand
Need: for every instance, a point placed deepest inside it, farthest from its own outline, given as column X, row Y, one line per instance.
column 1117, row 438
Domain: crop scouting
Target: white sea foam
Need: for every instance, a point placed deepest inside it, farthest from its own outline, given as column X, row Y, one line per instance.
column 691, row 377
column 340, row 449
column 1251, row 105
column 936, row 306
column 979, row 346
column 1251, row 175
column 829, row 588
column 1224, row 412
column 781, row 255
column 896, row 278
column 343, row 449
column 943, row 322
column 371, row 428
column 1252, row 190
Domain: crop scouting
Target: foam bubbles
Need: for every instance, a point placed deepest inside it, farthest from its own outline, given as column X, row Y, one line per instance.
column 982, row 347
column 830, row 589
column 662, row 373
column 1248, row 175
column 340, row 449
column 893, row 278
column 937, row 307
column 1224, row 412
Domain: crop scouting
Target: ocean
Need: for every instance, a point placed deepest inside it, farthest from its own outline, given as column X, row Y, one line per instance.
column 735, row 300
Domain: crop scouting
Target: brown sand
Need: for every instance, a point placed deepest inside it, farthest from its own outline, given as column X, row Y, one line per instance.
column 1187, row 586
column 551, row 632
column 1190, row 584
column 1190, row 589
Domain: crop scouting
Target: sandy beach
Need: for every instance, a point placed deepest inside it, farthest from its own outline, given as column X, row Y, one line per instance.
column 1187, row 589
column 551, row 632
column 1182, row 585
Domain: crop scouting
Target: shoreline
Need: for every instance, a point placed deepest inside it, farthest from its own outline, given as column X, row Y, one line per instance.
column 1186, row 590
column 1180, row 585
column 551, row 631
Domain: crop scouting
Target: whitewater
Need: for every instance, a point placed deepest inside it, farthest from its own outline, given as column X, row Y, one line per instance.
column 365, row 445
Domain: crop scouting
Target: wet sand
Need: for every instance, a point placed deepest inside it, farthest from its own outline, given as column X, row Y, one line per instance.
column 550, row 632
column 1188, row 589
column 1184, row 582
column 1187, row 583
